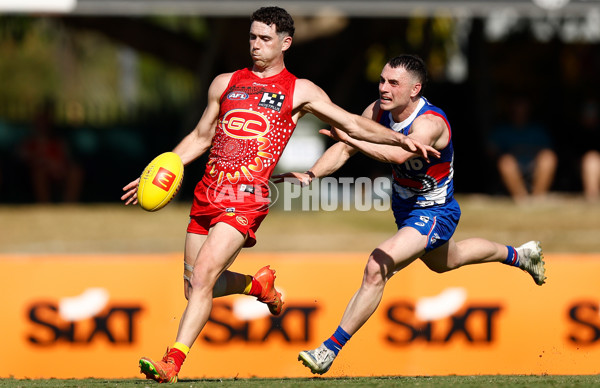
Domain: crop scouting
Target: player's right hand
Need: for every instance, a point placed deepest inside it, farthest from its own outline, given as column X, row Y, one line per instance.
column 130, row 196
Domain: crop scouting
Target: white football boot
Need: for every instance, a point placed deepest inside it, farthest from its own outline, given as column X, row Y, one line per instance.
column 318, row 360
column 531, row 260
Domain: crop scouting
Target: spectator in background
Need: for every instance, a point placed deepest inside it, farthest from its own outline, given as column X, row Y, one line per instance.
column 526, row 160
column 587, row 144
column 54, row 174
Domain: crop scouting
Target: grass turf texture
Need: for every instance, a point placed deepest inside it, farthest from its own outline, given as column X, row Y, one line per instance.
column 562, row 224
column 359, row 382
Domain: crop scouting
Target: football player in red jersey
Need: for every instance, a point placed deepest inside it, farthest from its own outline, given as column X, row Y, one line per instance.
column 248, row 120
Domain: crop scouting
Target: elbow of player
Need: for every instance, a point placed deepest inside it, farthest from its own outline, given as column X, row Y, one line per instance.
column 203, row 143
column 351, row 130
column 357, row 126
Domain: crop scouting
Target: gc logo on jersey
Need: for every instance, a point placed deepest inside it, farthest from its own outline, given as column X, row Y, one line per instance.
column 272, row 101
column 244, row 124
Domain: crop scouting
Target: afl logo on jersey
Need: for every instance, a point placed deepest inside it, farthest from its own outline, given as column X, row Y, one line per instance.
column 237, row 96
column 245, row 124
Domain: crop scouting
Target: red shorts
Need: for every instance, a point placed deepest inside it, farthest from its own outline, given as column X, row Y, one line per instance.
column 245, row 217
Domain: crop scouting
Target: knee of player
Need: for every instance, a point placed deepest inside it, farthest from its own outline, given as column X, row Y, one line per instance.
column 375, row 274
column 453, row 263
column 199, row 281
column 507, row 163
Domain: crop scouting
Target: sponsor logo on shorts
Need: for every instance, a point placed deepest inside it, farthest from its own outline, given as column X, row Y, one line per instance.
column 247, row 188
column 242, row 220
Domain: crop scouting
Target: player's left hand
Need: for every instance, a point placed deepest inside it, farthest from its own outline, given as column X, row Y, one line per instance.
column 418, row 148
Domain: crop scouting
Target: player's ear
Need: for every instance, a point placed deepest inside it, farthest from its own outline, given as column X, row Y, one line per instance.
column 416, row 89
column 287, row 42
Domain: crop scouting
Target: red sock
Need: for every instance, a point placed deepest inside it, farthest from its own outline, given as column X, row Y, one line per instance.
column 256, row 288
column 178, row 357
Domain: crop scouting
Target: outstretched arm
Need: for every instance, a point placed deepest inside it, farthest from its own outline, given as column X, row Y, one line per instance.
column 328, row 163
column 309, row 98
column 427, row 129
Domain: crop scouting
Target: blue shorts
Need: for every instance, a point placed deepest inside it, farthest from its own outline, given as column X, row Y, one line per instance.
column 438, row 223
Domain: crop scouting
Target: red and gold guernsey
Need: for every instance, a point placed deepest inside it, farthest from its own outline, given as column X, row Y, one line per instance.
column 254, row 126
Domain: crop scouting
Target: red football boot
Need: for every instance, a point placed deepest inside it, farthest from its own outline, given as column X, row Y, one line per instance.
column 163, row 371
column 269, row 295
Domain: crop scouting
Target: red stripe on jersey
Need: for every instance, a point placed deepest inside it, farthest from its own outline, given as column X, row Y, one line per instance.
column 379, row 115
column 439, row 171
column 409, row 183
column 431, row 112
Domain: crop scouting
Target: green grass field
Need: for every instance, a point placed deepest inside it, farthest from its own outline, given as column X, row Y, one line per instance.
column 562, row 224
column 359, row 382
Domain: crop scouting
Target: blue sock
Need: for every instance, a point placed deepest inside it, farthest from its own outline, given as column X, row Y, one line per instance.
column 512, row 258
column 337, row 341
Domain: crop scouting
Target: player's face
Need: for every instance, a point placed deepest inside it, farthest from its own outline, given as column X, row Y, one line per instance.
column 266, row 45
column 396, row 88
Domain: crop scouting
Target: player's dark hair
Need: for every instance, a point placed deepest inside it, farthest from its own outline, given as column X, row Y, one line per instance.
column 274, row 15
column 414, row 65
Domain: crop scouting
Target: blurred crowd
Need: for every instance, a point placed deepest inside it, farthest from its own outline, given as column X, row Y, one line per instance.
column 527, row 154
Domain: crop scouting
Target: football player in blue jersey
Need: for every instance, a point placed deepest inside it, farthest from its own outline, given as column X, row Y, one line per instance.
column 423, row 203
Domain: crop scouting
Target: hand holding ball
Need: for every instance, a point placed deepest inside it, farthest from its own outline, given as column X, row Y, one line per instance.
column 160, row 181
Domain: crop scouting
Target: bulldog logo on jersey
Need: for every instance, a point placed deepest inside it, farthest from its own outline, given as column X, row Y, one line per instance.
column 272, row 101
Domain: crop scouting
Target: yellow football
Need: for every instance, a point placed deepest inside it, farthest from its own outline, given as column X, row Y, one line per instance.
column 160, row 181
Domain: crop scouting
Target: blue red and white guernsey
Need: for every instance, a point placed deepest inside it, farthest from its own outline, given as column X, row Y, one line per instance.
column 416, row 182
